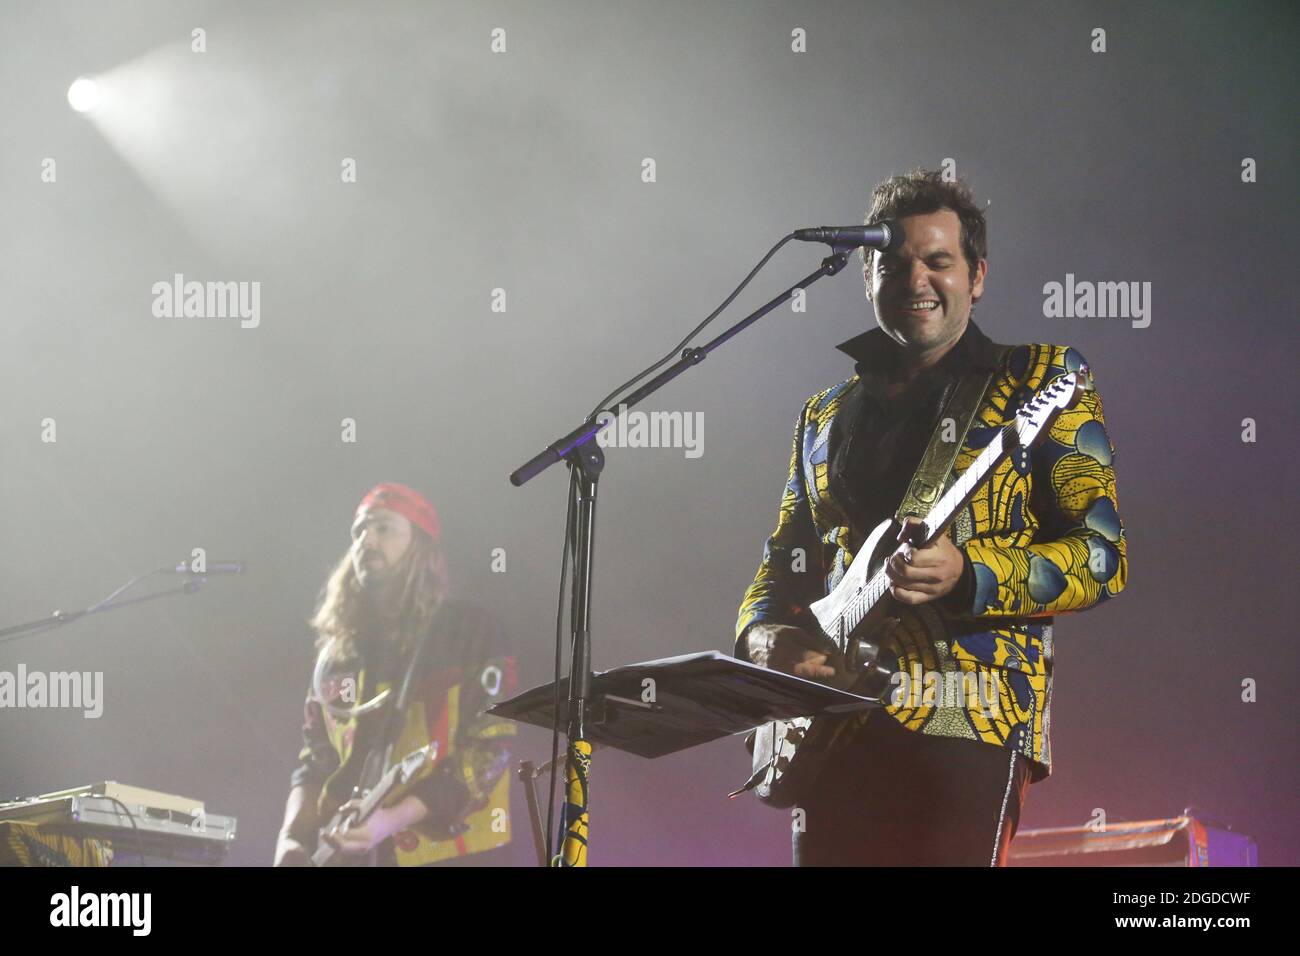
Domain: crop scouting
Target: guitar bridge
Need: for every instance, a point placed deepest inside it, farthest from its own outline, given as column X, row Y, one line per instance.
column 859, row 652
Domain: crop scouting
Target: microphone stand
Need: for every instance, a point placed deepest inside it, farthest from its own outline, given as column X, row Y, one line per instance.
column 111, row 603
column 586, row 461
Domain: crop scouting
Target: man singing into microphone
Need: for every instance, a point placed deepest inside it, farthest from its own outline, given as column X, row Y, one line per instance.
column 384, row 614
column 931, row 779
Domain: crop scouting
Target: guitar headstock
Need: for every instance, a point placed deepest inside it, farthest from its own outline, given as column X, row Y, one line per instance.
column 1033, row 417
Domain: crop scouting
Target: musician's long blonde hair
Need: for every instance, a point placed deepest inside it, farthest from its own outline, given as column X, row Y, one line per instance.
column 346, row 616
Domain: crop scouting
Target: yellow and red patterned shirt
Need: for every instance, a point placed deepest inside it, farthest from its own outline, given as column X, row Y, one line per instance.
column 463, row 669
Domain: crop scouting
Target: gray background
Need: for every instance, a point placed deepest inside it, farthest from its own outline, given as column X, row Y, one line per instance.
column 522, row 171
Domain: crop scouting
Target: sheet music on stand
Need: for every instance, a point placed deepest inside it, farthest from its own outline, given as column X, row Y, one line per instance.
column 694, row 698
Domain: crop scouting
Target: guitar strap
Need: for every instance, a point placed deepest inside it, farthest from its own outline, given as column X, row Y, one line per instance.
column 396, row 721
column 937, row 462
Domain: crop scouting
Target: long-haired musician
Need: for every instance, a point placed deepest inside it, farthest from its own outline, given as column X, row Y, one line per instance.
column 388, row 634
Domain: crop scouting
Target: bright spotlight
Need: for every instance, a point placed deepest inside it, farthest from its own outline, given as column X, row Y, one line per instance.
column 83, row 94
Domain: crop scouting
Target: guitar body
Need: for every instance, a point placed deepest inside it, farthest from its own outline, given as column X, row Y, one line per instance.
column 870, row 560
column 790, row 754
column 329, row 855
column 390, row 787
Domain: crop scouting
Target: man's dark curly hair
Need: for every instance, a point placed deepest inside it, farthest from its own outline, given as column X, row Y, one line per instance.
column 923, row 191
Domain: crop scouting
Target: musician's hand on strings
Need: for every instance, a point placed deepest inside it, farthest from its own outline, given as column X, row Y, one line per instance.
column 351, row 838
column 919, row 575
column 790, row 649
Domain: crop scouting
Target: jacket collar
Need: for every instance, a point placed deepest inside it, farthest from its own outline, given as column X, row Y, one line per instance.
column 875, row 352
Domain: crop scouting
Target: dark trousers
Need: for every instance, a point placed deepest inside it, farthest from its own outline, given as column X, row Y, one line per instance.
column 896, row 797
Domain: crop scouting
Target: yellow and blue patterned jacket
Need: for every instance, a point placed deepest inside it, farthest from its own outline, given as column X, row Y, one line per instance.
column 1042, row 537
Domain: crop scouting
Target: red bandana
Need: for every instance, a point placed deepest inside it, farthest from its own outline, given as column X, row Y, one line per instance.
column 407, row 502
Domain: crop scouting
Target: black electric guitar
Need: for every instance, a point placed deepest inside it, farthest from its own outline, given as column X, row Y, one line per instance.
column 388, row 787
column 857, row 615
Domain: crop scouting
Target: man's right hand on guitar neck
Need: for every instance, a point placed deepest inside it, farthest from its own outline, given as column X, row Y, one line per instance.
column 793, row 650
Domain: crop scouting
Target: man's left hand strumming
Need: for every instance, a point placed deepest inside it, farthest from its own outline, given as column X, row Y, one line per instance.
column 385, row 822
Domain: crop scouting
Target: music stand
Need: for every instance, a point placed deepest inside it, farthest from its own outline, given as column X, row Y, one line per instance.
column 663, row 706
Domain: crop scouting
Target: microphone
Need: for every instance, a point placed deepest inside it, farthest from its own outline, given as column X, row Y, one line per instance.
column 884, row 236
column 213, row 567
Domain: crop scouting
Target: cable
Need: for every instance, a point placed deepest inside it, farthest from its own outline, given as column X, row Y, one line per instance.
column 676, row 350
column 139, row 840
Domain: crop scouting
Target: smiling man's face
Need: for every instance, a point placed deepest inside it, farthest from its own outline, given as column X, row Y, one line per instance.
column 923, row 291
